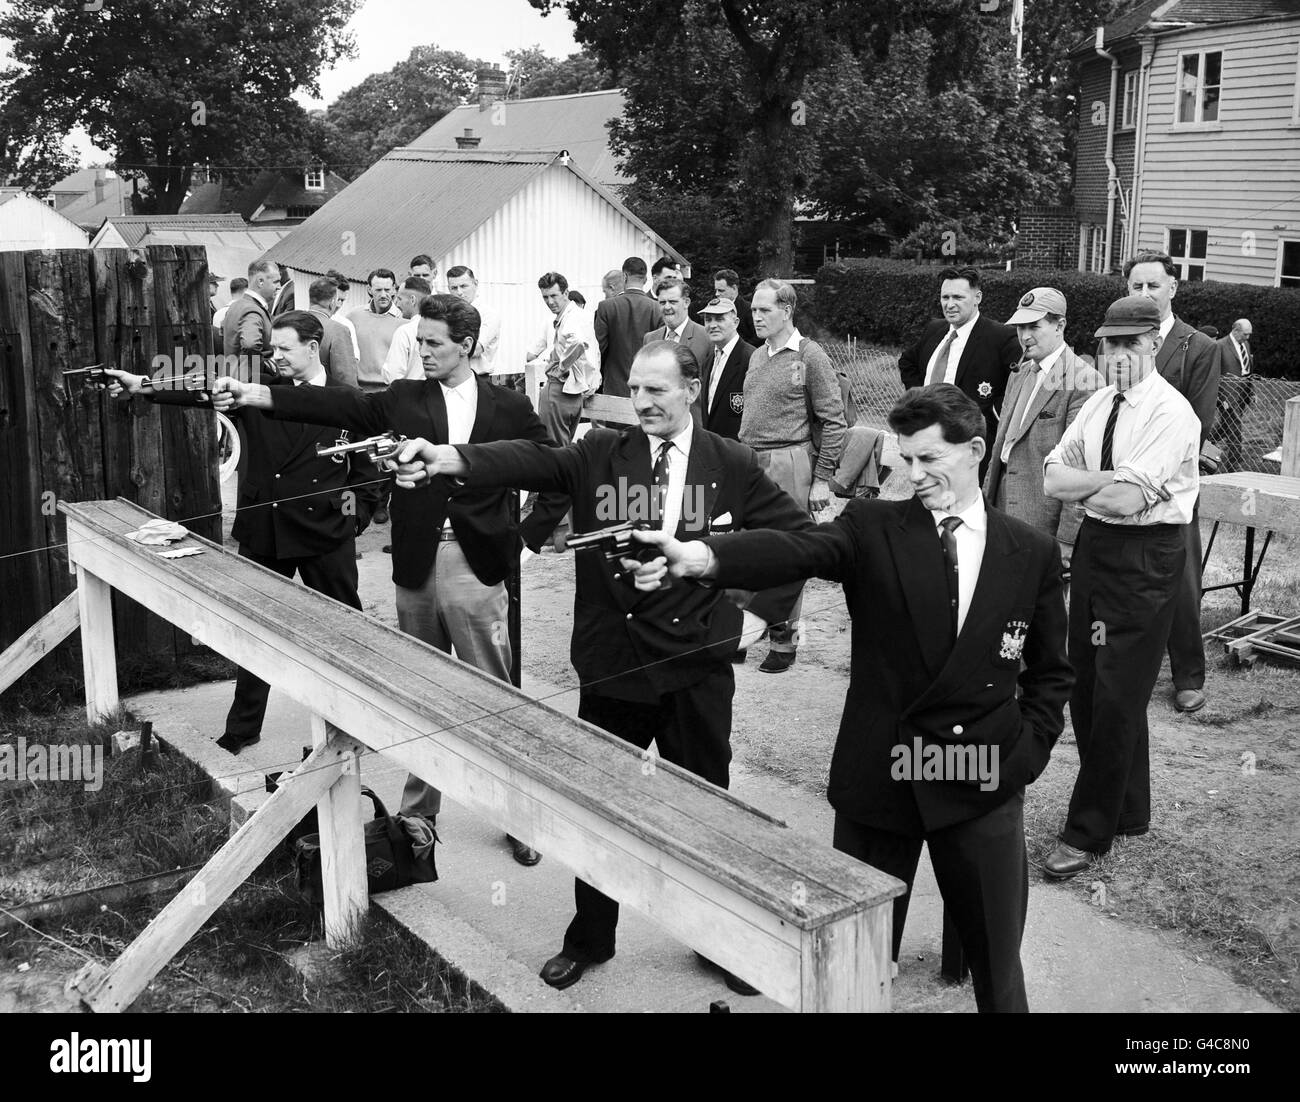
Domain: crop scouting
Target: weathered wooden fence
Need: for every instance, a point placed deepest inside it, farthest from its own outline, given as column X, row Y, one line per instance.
column 65, row 441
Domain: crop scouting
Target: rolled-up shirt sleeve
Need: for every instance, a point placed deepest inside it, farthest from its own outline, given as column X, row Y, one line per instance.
column 1157, row 456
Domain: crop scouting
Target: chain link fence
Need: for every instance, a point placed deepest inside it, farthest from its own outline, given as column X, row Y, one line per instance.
column 1248, row 428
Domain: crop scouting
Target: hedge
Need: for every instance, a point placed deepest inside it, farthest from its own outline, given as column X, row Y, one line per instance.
column 890, row 302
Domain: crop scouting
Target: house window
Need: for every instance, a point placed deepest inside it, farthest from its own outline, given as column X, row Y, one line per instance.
column 1288, row 264
column 315, row 179
column 300, row 212
column 1187, row 250
column 1129, row 116
column 48, row 200
column 1199, row 80
column 1097, row 251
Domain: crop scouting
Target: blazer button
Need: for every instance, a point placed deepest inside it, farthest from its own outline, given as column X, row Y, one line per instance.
column 958, row 729
column 275, row 505
column 277, row 476
column 617, row 574
column 676, row 620
column 629, row 616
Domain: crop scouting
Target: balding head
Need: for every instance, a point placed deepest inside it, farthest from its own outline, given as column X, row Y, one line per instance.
column 1241, row 329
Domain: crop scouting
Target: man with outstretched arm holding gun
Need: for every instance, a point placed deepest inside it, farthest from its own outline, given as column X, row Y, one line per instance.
column 656, row 666
column 452, row 549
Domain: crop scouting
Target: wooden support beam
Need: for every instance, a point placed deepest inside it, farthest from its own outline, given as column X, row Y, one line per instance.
column 342, row 847
column 76, row 903
column 116, row 988
column 98, row 651
column 1291, row 439
column 847, row 964
column 607, row 407
column 39, row 639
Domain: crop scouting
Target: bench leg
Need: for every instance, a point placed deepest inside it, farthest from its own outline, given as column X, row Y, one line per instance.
column 98, row 651
column 342, row 848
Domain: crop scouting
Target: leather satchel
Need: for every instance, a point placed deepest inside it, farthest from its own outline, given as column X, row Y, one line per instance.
column 399, row 851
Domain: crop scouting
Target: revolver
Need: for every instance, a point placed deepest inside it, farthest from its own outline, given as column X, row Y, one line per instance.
column 616, row 542
column 379, row 448
column 96, row 375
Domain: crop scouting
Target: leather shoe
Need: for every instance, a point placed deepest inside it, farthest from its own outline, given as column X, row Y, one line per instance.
column 561, row 972
column 733, row 981
column 380, row 517
column 1066, row 861
column 777, row 661
column 738, row 659
column 525, row 855
column 1189, row 700
column 232, row 745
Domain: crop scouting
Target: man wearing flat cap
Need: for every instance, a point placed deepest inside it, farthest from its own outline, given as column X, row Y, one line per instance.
column 723, row 398
column 1046, row 391
column 1130, row 459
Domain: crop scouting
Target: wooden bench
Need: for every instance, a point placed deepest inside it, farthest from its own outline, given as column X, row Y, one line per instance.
column 808, row 926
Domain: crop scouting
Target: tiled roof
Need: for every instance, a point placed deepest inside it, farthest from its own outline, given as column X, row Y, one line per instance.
column 1167, row 15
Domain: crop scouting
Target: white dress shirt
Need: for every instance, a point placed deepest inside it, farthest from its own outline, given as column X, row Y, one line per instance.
column 462, row 407
column 1242, row 362
column 1040, row 370
column 1156, row 444
column 679, row 456
column 971, row 536
column 793, row 342
column 716, row 371
column 954, row 352
column 489, row 337
column 315, row 380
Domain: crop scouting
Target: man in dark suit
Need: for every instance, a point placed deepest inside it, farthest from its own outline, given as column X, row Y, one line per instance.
column 297, row 513
column 958, row 677
column 1236, row 391
column 451, row 552
column 620, row 324
column 724, row 398
column 726, row 284
column 653, row 666
column 674, row 297
column 1191, row 362
column 972, row 352
column 246, row 330
column 336, row 353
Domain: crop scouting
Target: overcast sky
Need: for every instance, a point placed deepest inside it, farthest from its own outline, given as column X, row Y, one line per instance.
column 385, row 32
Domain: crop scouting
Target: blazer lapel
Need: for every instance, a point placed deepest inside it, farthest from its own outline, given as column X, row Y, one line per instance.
column 483, row 414
column 968, row 352
column 1167, row 349
column 918, row 559
column 703, row 473
column 436, row 404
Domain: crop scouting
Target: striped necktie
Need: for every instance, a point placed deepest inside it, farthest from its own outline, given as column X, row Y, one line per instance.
column 1108, row 437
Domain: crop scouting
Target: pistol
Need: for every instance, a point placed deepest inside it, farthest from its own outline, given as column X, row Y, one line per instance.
column 616, row 542
column 379, row 448
column 97, row 376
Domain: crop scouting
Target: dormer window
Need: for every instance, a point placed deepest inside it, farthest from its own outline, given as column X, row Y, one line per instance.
column 315, row 179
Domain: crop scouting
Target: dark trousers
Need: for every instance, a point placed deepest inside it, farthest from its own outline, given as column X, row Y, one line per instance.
column 1186, row 647
column 1124, row 581
column 692, row 728
column 333, row 574
column 983, row 875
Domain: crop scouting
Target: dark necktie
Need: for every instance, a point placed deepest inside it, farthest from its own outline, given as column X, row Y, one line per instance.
column 660, row 480
column 947, row 526
column 1108, row 437
column 940, row 368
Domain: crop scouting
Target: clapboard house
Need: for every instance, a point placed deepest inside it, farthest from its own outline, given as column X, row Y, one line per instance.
column 1189, row 143
column 509, row 215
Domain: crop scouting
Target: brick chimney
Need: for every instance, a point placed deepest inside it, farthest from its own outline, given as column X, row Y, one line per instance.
column 99, row 184
column 467, row 140
column 491, row 87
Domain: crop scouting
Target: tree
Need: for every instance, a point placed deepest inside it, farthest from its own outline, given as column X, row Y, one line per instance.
column 533, row 73
column 165, row 84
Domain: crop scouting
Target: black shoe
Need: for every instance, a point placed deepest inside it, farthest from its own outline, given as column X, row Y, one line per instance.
column 777, row 661
column 1066, row 861
column 738, row 659
column 380, row 517
column 561, row 972
column 524, row 854
column 733, row 981
column 233, row 745
column 387, row 549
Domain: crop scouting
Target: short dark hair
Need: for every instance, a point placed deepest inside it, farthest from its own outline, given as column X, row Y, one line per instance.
column 578, row 297
column 417, row 283
column 338, row 277
column 257, row 267
column 634, row 266
column 673, row 281
column 728, row 277
column 461, row 270
column 553, row 279
column 662, row 263
column 686, row 361
column 380, row 273
column 461, row 319
column 1163, row 259
column 956, row 413
column 239, row 283
column 970, row 275
column 322, row 290
column 307, row 325
column 423, row 258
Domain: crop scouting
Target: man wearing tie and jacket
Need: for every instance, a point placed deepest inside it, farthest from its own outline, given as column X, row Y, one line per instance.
column 1045, row 394
column 724, row 397
column 958, row 661
column 1236, row 391
column 653, row 667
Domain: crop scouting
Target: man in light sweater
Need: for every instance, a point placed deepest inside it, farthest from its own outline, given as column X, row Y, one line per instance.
column 376, row 325
column 791, row 390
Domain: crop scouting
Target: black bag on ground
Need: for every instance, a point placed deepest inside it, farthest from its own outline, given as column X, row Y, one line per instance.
column 391, row 860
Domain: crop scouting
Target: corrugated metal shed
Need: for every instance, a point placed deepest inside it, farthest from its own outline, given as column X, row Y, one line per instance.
column 132, row 229
column 578, row 123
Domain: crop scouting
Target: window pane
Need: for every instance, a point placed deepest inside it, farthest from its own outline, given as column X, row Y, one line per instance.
column 1195, row 272
column 1198, row 244
column 1187, row 85
column 1210, row 105
column 1290, row 260
column 1177, row 242
column 1213, row 69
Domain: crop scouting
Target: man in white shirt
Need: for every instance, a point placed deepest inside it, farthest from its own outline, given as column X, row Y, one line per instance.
column 341, row 308
column 403, row 359
column 463, row 283
column 1130, row 459
column 568, row 354
column 237, row 286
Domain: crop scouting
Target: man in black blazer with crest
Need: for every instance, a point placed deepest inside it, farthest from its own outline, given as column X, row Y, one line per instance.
column 652, row 666
column 958, row 677
column 972, row 352
column 723, row 398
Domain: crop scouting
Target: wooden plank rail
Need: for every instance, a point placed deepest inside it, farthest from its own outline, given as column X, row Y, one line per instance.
column 807, row 925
